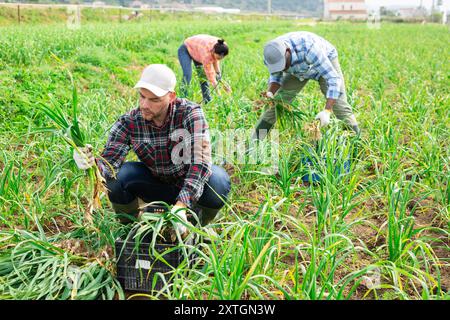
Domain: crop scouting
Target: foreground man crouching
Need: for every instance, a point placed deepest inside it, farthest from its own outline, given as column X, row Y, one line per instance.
column 170, row 137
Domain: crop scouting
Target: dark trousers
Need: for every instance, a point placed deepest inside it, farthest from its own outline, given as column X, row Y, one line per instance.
column 186, row 64
column 135, row 180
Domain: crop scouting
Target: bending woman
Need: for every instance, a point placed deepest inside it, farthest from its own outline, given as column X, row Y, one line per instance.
column 205, row 51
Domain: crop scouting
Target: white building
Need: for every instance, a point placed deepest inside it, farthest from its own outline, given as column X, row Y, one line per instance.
column 410, row 13
column 345, row 9
column 216, row 10
column 98, row 4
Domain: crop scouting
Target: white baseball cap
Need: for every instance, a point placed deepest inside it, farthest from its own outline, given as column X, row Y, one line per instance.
column 158, row 78
column 274, row 55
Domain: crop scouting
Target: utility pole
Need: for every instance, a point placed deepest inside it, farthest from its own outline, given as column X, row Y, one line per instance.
column 269, row 6
column 432, row 10
column 18, row 13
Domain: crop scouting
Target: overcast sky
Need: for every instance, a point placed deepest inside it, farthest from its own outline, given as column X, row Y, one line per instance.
column 409, row 3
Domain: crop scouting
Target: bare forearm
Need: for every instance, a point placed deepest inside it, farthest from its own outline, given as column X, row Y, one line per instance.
column 330, row 103
column 216, row 67
column 274, row 87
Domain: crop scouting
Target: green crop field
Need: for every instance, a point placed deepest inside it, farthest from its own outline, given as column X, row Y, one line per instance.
column 380, row 231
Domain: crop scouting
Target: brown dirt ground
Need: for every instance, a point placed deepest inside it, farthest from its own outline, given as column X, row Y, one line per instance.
column 80, row 248
column 60, row 224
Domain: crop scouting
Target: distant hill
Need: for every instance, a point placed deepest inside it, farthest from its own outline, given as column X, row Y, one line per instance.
column 313, row 7
column 261, row 5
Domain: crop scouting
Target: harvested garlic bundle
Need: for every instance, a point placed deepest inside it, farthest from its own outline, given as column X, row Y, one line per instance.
column 312, row 130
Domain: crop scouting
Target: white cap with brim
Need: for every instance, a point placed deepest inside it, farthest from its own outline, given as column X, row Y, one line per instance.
column 275, row 55
column 157, row 78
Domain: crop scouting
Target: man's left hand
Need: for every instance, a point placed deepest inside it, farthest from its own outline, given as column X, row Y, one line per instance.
column 179, row 209
column 324, row 117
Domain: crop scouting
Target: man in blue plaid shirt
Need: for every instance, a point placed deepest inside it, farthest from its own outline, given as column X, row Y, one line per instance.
column 170, row 137
column 295, row 58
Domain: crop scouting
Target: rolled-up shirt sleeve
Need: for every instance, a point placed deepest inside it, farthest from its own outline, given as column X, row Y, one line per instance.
column 200, row 160
column 275, row 77
column 319, row 61
column 116, row 149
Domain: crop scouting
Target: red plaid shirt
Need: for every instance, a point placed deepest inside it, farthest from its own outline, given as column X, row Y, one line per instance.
column 185, row 132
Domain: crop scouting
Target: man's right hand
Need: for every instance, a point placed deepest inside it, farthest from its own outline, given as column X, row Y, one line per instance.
column 84, row 157
column 265, row 100
column 272, row 90
column 266, row 95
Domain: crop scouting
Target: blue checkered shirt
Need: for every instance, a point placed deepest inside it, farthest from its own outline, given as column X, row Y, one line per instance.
column 311, row 59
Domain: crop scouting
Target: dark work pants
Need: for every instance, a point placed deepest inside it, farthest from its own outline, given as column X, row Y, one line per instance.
column 186, row 64
column 135, row 180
